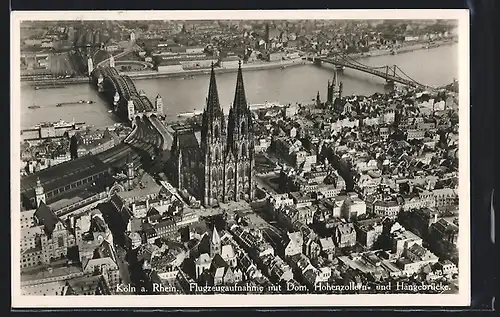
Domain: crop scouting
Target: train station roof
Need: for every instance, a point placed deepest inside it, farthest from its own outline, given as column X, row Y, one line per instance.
column 62, row 174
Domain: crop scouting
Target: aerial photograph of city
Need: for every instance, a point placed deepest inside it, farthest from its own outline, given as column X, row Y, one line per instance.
column 239, row 157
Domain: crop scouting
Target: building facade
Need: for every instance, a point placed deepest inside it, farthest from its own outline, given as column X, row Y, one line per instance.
column 217, row 165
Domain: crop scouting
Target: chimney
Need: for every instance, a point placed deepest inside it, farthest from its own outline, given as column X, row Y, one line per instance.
column 147, row 204
column 435, row 217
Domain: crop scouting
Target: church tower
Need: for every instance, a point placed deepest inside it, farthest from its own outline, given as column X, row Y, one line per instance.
column 334, row 81
column 159, row 105
column 215, row 243
column 329, row 93
column 335, row 86
column 39, row 193
column 239, row 169
column 213, row 142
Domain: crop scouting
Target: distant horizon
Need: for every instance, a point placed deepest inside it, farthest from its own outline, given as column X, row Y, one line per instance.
column 416, row 21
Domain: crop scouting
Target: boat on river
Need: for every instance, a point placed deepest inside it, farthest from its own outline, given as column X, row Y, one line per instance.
column 34, row 106
column 74, row 103
column 189, row 114
column 266, row 105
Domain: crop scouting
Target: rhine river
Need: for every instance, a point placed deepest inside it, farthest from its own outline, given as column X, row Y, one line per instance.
column 434, row 67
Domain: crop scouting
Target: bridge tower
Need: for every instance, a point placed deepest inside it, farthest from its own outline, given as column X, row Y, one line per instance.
column 39, row 193
column 90, row 66
column 100, row 81
column 116, row 100
column 341, row 88
column 389, row 82
column 159, row 105
column 130, row 109
column 112, row 61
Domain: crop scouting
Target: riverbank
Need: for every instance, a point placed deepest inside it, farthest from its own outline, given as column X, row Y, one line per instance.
column 290, row 85
column 55, row 81
column 218, row 70
column 246, row 67
column 401, row 50
column 170, row 74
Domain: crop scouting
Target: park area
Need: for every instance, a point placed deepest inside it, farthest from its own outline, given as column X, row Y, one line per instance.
column 132, row 66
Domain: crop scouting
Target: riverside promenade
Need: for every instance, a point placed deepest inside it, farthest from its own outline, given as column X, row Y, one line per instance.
column 218, row 70
column 246, row 67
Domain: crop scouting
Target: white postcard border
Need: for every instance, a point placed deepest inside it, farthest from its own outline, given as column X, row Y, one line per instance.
column 389, row 300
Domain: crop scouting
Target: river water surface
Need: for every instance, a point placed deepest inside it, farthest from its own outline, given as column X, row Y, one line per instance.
column 434, row 67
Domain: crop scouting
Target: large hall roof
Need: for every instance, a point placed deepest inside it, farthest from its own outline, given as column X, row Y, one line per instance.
column 62, row 174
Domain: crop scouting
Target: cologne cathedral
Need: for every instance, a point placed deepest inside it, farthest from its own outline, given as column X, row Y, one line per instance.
column 216, row 164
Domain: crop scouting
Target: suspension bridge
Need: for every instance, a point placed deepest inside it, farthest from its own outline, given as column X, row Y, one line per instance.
column 391, row 74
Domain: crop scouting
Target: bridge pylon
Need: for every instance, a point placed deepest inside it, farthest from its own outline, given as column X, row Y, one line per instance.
column 90, row 66
column 390, row 71
column 100, row 83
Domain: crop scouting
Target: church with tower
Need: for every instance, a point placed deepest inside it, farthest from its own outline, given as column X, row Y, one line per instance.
column 216, row 164
column 334, row 90
column 333, row 94
column 215, row 262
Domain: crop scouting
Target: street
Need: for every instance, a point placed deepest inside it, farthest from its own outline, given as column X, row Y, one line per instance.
column 123, row 267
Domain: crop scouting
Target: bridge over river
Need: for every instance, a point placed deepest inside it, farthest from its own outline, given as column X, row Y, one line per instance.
column 392, row 74
column 148, row 141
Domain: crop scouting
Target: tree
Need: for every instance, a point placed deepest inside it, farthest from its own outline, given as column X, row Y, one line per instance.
column 157, row 61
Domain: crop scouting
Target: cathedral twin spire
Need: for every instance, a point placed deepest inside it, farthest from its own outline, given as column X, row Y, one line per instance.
column 213, row 118
column 214, row 111
column 227, row 153
column 213, row 104
column 240, row 100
